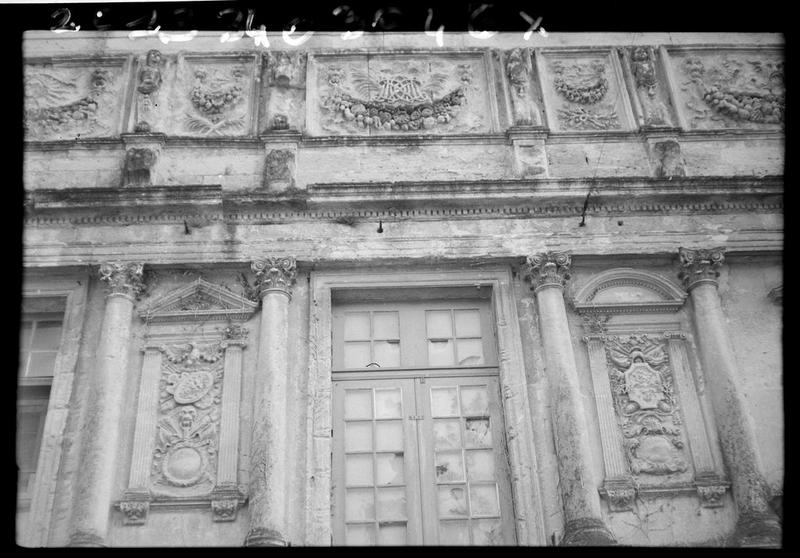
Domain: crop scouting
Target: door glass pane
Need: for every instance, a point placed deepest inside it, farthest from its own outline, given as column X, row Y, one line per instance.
column 385, row 325
column 390, row 468
column 446, row 433
column 392, row 535
column 388, row 403
column 361, row 535
column 358, row 470
column 474, row 401
column 470, row 352
column 480, row 465
column 468, row 323
column 440, row 353
column 387, row 354
column 389, row 435
column 42, row 364
column 356, row 326
column 483, row 498
column 356, row 355
column 25, row 335
column 477, row 433
column 358, row 436
column 439, row 324
column 359, row 504
column 455, row 533
column 452, row 501
column 358, row 404
column 391, row 504
column 449, row 467
column 487, row 532
column 444, row 402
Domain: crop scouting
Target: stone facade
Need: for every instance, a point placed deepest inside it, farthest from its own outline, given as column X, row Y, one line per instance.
column 198, row 204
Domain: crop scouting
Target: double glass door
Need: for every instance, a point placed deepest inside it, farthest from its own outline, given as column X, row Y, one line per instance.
column 420, row 460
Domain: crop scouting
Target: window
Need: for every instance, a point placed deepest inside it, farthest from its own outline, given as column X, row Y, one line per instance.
column 40, row 339
column 419, row 451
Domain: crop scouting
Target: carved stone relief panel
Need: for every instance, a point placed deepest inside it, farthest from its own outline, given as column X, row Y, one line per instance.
column 69, row 100
column 184, row 460
column 150, row 108
column 646, row 406
column 213, row 97
column 729, row 89
column 583, row 91
column 285, row 79
column 400, row 94
column 650, row 86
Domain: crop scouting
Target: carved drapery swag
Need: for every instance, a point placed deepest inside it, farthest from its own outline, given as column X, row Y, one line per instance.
column 700, row 266
column 123, row 278
column 548, row 269
column 275, row 274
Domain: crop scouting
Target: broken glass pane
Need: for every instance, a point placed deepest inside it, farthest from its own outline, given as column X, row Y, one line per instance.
column 390, row 468
column 470, row 352
column 358, row 404
column 358, row 470
column 483, row 498
column 358, row 436
column 440, row 353
column 356, row 326
column 361, row 535
column 356, row 355
column 468, row 323
column 453, row 533
column 449, row 467
column 474, row 401
column 391, row 504
column 388, row 403
column 477, row 433
column 446, row 433
column 452, row 501
column 359, row 504
column 389, row 435
column 480, row 465
column 487, row 532
column 444, row 402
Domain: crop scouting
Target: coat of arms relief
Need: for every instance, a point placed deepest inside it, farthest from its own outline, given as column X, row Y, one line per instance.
column 397, row 96
column 646, row 405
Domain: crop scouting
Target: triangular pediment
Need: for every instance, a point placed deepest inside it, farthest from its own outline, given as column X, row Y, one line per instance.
column 201, row 301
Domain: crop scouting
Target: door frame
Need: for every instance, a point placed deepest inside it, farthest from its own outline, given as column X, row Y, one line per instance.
column 527, row 501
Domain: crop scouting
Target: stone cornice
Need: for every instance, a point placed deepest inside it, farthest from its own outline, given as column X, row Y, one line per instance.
column 206, row 204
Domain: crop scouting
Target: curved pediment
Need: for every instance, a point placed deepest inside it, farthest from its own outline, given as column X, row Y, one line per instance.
column 628, row 290
column 200, row 301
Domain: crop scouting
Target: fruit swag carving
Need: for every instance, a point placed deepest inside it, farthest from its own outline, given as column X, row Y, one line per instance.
column 391, row 101
column 641, row 382
column 215, row 98
column 186, row 444
column 53, row 104
column 584, row 84
column 735, row 91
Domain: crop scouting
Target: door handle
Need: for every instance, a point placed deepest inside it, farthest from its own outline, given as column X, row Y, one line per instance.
column 415, row 417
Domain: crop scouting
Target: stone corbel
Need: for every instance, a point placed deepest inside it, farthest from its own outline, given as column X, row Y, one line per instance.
column 711, row 491
column 530, row 152
column 666, row 158
column 620, row 494
column 226, row 501
column 280, row 161
column 142, row 153
column 134, row 505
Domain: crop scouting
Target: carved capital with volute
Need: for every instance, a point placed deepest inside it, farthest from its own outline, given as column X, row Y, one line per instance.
column 121, row 278
column 700, row 266
column 275, row 274
column 548, row 269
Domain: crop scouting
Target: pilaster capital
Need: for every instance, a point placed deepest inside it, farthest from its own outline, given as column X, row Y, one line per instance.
column 700, row 266
column 548, row 269
column 123, row 278
column 275, row 274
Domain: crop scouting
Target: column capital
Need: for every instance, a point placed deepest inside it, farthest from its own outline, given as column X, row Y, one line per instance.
column 548, row 269
column 700, row 266
column 275, row 274
column 123, row 278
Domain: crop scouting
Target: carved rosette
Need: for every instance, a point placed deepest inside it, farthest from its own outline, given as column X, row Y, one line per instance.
column 700, row 266
column 275, row 274
column 548, row 269
column 184, row 460
column 646, row 406
column 125, row 279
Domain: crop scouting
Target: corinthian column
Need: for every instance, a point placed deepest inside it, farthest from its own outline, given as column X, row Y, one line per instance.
column 757, row 524
column 268, row 478
column 106, row 401
column 584, row 525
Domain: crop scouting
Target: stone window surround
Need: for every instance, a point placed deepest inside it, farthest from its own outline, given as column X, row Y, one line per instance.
column 73, row 287
column 529, row 519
